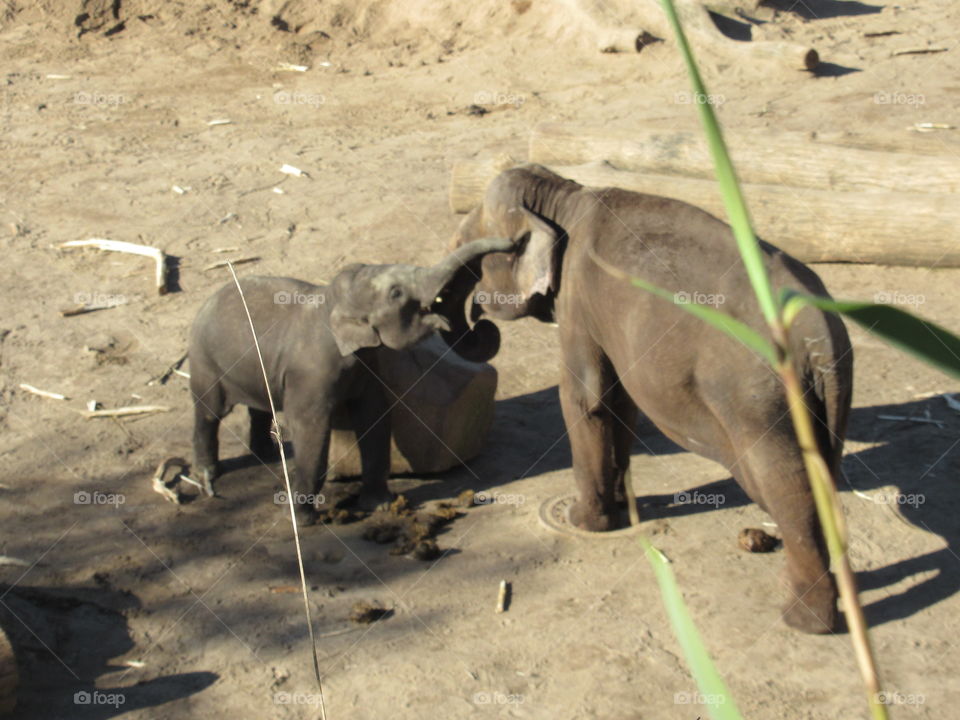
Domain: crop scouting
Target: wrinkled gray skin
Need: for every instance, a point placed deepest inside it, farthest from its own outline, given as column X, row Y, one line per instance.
column 624, row 348
column 322, row 346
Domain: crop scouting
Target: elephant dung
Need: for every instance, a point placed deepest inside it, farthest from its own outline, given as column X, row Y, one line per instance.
column 756, row 540
column 442, row 420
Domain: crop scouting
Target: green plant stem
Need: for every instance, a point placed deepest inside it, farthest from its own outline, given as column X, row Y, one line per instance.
column 733, row 200
column 835, row 533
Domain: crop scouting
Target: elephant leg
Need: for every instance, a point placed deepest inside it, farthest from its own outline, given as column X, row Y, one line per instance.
column 775, row 471
column 310, row 433
column 624, row 423
column 261, row 441
column 590, row 425
column 208, row 411
column 370, row 415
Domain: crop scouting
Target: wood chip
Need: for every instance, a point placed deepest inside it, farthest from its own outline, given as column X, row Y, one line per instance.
column 502, row 596
column 291, row 170
column 132, row 248
column 221, row 121
column 42, row 393
column 288, row 67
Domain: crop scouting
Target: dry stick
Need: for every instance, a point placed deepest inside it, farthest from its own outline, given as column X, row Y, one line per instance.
column 286, row 478
column 238, row 261
column 42, row 393
column 124, row 411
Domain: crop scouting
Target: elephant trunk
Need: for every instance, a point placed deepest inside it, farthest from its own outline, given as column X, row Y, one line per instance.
column 445, row 289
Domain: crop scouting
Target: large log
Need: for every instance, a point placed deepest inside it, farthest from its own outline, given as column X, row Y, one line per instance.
column 629, row 28
column 9, row 677
column 779, row 159
column 442, row 412
column 889, row 228
column 465, row 188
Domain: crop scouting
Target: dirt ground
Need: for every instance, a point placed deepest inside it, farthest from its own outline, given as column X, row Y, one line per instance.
column 174, row 609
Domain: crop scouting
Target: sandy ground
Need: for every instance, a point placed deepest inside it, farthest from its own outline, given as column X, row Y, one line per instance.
column 185, row 591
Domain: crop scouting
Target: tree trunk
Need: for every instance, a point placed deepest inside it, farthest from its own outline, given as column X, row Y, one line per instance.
column 888, row 228
column 442, row 417
column 632, row 31
column 780, row 159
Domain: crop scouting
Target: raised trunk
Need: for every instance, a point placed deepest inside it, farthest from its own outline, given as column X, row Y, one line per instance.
column 445, row 289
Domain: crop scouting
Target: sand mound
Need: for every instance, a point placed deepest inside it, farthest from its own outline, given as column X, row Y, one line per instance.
column 427, row 26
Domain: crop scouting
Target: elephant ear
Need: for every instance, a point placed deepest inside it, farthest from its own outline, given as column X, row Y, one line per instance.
column 536, row 268
column 350, row 326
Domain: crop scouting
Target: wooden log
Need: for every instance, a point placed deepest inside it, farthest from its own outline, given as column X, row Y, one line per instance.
column 9, row 677
column 888, row 228
column 442, row 420
column 779, row 159
column 475, row 177
column 614, row 34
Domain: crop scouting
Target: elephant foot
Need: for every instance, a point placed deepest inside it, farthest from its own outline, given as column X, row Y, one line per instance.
column 305, row 516
column 374, row 500
column 587, row 518
column 814, row 610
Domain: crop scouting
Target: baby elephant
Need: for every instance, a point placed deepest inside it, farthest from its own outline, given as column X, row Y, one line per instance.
column 321, row 347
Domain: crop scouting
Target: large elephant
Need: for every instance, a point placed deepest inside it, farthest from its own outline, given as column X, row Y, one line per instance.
column 624, row 348
column 322, row 346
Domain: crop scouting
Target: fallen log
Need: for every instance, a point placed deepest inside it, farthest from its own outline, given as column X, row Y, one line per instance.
column 887, row 228
column 633, row 29
column 469, row 179
column 779, row 159
column 442, row 412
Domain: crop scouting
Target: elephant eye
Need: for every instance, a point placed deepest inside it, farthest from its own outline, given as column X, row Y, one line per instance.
column 396, row 293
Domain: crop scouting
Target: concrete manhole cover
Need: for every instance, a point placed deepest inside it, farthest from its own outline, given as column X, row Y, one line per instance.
column 554, row 514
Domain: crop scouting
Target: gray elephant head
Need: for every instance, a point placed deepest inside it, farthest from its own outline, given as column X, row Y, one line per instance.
column 524, row 281
column 399, row 305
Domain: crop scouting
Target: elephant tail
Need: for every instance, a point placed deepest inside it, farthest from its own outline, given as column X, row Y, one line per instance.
column 824, row 361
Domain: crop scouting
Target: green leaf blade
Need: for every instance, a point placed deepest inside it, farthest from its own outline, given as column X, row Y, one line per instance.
column 924, row 339
column 716, row 319
column 708, row 679
column 733, row 200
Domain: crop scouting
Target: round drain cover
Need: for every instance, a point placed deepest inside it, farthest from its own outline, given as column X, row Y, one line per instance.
column 554, row 515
